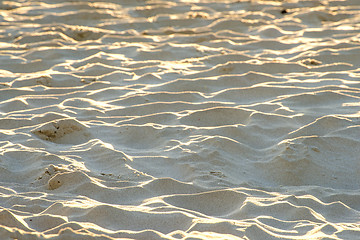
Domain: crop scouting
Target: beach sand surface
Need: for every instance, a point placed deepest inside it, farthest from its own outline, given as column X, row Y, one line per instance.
column 180, row 119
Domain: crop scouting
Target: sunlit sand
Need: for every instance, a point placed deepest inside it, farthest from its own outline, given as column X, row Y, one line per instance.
column 180, row 119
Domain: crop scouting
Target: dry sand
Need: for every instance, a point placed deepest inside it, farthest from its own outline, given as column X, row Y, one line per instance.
column 180, row 119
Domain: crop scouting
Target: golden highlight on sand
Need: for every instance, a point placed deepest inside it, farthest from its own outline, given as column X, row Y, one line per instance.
column 180, row 119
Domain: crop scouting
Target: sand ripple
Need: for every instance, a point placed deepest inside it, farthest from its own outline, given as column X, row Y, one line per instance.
column 179, row 119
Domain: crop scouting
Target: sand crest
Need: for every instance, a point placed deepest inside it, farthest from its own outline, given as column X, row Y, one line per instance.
column 179, row 119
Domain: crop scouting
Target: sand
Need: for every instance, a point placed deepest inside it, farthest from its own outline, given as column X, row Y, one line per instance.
column 180, row 119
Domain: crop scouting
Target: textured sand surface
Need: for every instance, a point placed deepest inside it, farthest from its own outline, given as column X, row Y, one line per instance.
column 180, row 119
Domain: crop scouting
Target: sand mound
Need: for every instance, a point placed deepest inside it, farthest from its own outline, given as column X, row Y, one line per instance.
column 67, row 131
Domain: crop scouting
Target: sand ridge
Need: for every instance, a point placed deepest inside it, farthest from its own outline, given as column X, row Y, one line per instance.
column 179, row 119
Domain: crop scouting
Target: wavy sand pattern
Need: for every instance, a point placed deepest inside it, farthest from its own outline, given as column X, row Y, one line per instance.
column 180, row 119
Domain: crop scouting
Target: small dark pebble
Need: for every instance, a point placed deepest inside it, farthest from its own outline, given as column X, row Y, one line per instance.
column 284, row 11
